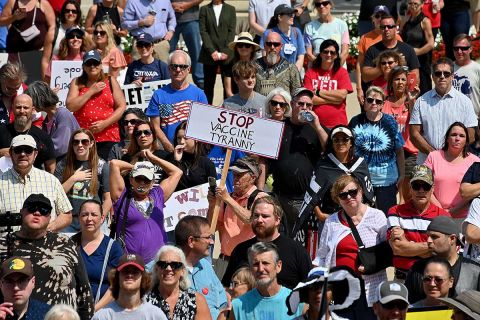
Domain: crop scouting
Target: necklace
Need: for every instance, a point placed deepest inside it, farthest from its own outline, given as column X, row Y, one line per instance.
column 145, row 210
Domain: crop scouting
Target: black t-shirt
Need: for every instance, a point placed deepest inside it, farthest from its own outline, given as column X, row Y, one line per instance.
column 473, row 174
column 299, row 152
column 193, row 174
column 45, row 147
column 295, row 261
column 367, row 6
column 159, row 173
column 401, row 47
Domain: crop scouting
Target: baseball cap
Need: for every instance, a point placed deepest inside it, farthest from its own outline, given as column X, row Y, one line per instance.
column 144, row 168
column 92, row 55
column 37, row 199
column 74, row 29
column 381, row 8
column 422, row 173
column 342, row 129
column 145, row 38
column 247, row 164
column 467, row 302
column 300, row 90
column 23, row 140
column 389, row 291
column 283, row 9
column 131, row 260
column 17, row 265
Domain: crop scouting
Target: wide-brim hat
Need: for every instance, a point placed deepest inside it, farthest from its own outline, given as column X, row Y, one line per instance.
column 243, row 37
column 467, row 302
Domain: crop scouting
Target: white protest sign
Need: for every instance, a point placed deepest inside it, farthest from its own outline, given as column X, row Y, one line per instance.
column 139, row 97
column 63, row 72
column 235, row 130
column 188, row 202
column 3, row 58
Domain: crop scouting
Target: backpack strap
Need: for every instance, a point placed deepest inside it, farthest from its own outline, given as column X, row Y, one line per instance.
column 251, row 198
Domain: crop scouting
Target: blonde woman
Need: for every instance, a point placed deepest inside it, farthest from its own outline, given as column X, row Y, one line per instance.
column 113, row 60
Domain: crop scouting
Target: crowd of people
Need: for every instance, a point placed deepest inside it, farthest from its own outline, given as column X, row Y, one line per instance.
column 309, row 235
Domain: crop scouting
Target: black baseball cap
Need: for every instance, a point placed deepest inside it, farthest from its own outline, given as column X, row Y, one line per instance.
column 35, row 198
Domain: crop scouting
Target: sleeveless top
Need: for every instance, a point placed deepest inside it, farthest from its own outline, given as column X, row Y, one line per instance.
column 413, row 33
column 99, row 107
column 186, row 306
column 113, row 15
column 15, row 42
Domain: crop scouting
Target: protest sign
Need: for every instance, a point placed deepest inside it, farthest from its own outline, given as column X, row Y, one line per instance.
column 188, row 202
column 63, row 72
column 235, row 130
column 139, row 97
column 3, row 58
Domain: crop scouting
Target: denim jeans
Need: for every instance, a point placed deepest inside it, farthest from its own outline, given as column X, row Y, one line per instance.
column 452, row 25
column 190, row 31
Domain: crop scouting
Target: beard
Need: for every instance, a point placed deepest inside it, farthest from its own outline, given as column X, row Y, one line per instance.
column 264, row 232
column 264, row 282
column 21, row 121
column 271, row 58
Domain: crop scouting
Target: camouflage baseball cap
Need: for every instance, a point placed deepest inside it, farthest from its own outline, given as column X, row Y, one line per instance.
column 422, row 173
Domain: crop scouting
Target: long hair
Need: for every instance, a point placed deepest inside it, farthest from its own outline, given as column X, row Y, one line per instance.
column 63, row 49
column 392, row 75
column 114, row 279
column 317, row 63
column 200, row 148
column 92, row 161
column 83, row 79
column 133, row 147
column 445, row 141
column 78, row 20
column 110, row 39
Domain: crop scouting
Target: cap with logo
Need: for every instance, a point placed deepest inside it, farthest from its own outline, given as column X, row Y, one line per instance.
column 37, row 199
column 389, row 291
column 342, row 129
column 246, row 164
column 144, row 168
column 23, row 140
column 302, row 90
column 145, row 38
column 382, row 9
column 92, row 55
column 131, row 260
column 422, row 173
column 16, row 265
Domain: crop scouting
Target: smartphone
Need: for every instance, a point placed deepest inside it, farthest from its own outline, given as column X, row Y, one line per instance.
column 412, row 81
column 153, row 13
column 212, row 185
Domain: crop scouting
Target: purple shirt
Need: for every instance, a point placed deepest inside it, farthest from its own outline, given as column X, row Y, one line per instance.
column 64, row 124
column 143, row 236
column 139, row 9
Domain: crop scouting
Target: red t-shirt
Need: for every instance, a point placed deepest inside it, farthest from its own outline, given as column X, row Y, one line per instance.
column 347, row 250
column 402, row 116
column 414, row 225
column 434, row 17
column 329, row 115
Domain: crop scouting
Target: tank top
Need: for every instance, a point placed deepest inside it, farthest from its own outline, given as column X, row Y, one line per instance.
column 112, row 14
column 413, row 33
column 15, row 42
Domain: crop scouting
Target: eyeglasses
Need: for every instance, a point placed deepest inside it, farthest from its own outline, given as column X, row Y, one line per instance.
column 84, row 142
column 74, row 36
column 130, row 122
column 329, row 52
column 376, row 101
column 461, row 48
column 34, row 207
column 384, row 63
column 139, row 133
column 141, row 45
column 210, row 237
column 428, row 279
column 440, row 74
column 322, row 4
column 275, row 103
column 417, row 185
column 390, row 26
column 181, row 66
column 305, row 104
column 271, row 43
column 235, row 284
column 23, row 149
column 400, row 305
column 243, row 45
column 99, row 33
column 72, row 11
column 344, row 195
column 175, row 265
column 340, row 140
column 92, row 63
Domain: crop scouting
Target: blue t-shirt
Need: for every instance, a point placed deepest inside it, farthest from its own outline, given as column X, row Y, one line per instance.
column 252, row 305
column 293, row 46
column 3, row 30
column 377, row 142
column 217, row 156
column 155, row 71
column 94, row 264
column 173, row 106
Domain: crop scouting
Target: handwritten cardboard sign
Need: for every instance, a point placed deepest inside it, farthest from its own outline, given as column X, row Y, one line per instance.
column 63, row 72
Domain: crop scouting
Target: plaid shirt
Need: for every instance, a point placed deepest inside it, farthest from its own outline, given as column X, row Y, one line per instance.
column 14, row 190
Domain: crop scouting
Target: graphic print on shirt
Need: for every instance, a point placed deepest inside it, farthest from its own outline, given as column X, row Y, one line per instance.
column 174, row 113
column 462, row 84
column 374, row 143
column 325, row 83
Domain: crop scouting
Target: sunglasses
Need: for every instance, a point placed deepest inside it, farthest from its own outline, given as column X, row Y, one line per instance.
column 72, row 11
column 244, row 45
column 275, row 44
column 275, row 103
column 131, row 122
column 92, row 63
column 84, row 142
column 23, row 149
column 139, row 133
column 390, row 26
column 99, row 33
column 181, row 66
column 344, row 195
column 329, row 52
column 322, row 4
column 340, row 140
column 428, row 279
column 142, row 179
column 403, row 68
column 400, row 305
column 74, row 36
column 461, row 48
column 175, row 265
column 376, row 101
column 384, row 63
column 142, row 45
column 34, row 207
column 417, row 185
column 440, row 74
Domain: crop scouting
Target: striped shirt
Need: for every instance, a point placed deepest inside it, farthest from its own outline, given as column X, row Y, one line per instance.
column 14, row 190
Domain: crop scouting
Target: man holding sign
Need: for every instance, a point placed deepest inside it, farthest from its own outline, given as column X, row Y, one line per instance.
column 171, row 104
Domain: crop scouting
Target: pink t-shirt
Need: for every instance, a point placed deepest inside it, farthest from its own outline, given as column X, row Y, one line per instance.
column 447, row 179
column 329, row 115
column 402, row 116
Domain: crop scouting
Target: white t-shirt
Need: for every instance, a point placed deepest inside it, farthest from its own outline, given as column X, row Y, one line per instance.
column 146, row 311
column 467, row 81
column 264, row 10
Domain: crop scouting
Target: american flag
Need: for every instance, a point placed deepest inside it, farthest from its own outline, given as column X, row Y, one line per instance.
column 174, row 113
